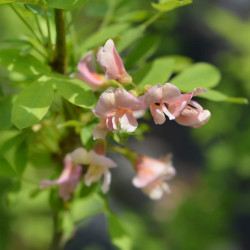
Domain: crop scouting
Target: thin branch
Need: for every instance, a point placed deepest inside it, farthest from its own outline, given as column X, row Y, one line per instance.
column 60, row 59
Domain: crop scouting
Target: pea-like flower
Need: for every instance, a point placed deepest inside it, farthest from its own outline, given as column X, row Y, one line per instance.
column 151, row 175
column 111, row 63
column 88, row 73
column 115, row 108
column 168, row 100
column 68, row 179
column 97, row 166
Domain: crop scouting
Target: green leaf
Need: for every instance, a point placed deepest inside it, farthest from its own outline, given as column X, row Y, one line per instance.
column 64, row 4
column 23, row 1
column 167, row 5
column 26, row 64
column 21, row 157
column 129, row 37
column 134, row 16
column 118, row 233
column 155, row 72
column 180, row 62
column 215, row 95
column 75, row 91
column 32, row 104
column 102, row 35
column 59, row 4
column 5, row 111
column 199, row 75
column 5, row 168
column 143, row 49
column 87, row 134
column 86, row 207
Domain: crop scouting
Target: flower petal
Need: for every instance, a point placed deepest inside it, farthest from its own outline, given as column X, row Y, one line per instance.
column 170, row 92
column 100, row 130
column 106, row 104
column 154, row 95
column 128, row 122
column 193, row 118
column 93, row 174
column 88, row 72
column 80, row 156
column 106, row 182
column 157, row 113
column 111, row 63
column 100, row 160
column 127, row 101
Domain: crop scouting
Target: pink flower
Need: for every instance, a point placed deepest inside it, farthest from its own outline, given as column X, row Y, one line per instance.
column 88, row 73
column 151, row 174
column 179, row 106
column 98, row 166
column 111, row 63
column 193, row 116
column 115, row 107
column 68, row 179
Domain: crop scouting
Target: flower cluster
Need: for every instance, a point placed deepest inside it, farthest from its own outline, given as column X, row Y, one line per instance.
column 119, row 109
column 94, row 165
column 116, row 107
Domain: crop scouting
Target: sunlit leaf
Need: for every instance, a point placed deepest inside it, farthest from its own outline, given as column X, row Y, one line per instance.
column 167, row 5
column 26, row 64
column 75, row 91
column 158, row 71
column 118, row 233
column 59, row 4
column 32, row 104
column 23, row 1
column 64, row 4
column 199, row 75
column 102, row 35
column 215, row 95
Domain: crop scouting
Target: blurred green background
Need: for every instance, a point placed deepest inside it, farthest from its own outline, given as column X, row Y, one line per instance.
column 209, row 207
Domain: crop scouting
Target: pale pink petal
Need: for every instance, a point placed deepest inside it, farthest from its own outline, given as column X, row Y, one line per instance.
column 139, row 113
column 193, row 118
column 127, row 101
column 106, row 104
column 100, row 160
column 154, row 193
column 157, row 113
column 154, row 95
column 128, row 122
column 198, row 91
column 66, row 189
column 80, row 156
column 88, row 72
column 106, row 182
column 111, row 63
column 100, row 130
column 170, row 92
column 67, row 181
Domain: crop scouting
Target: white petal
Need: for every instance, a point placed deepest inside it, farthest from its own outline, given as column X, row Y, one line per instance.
column 106, row 182
column 128, row 122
